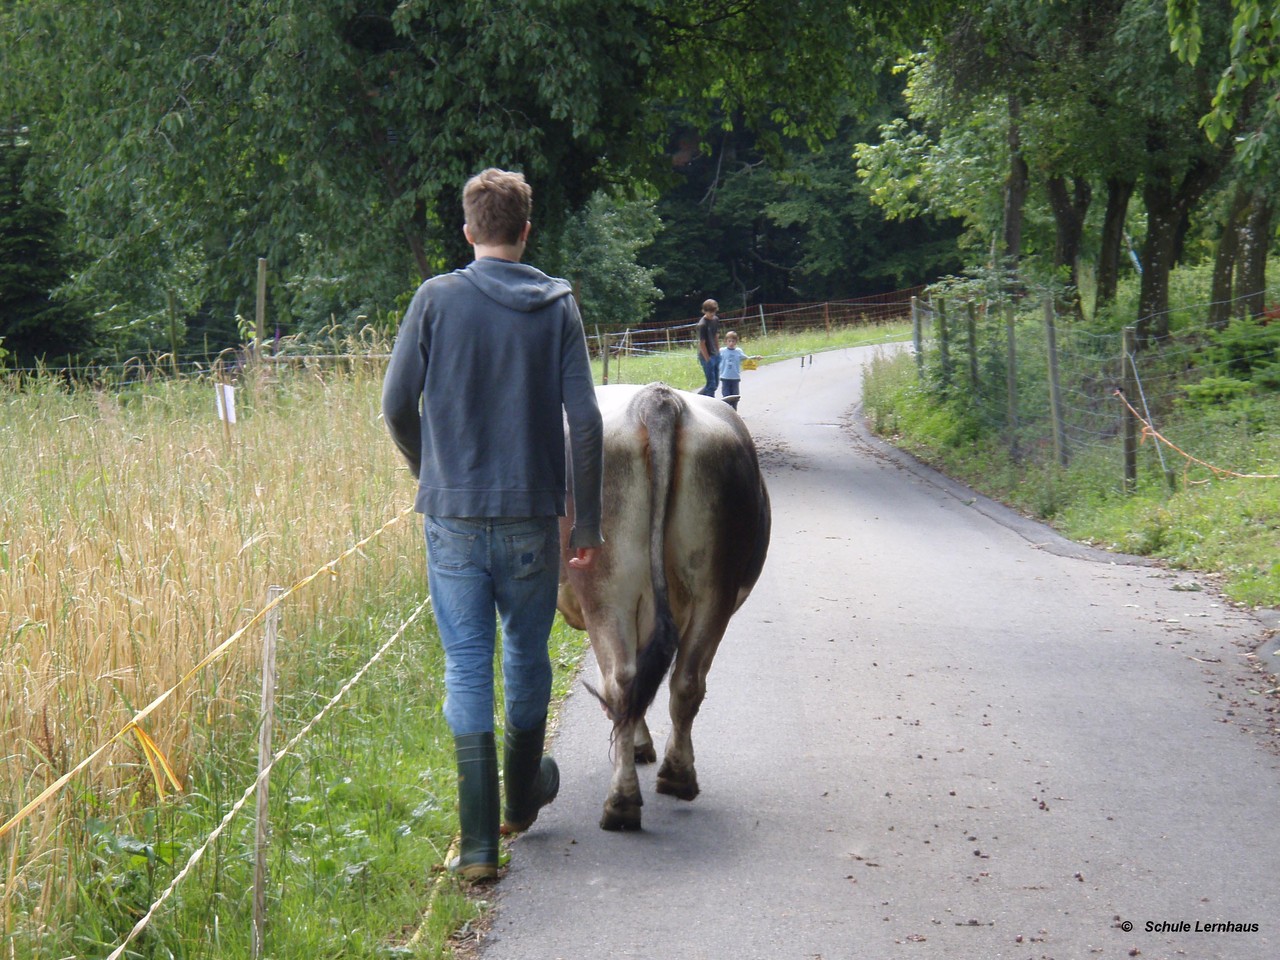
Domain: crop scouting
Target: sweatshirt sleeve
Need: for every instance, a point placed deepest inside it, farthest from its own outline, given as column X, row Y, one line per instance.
column 402, row 388
column 586, row 433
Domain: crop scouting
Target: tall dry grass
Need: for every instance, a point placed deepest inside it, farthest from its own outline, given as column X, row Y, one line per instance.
column 136, row 535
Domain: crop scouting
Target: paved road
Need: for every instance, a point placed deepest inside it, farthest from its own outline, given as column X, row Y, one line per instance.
column 935, row 730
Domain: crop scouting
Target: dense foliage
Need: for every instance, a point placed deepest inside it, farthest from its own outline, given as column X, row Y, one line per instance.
column 332, row 139
column 35, row 326
column 743, row 228
column 1084, row 141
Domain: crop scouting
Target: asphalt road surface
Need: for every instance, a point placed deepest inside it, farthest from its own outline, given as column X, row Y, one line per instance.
column 935, row 730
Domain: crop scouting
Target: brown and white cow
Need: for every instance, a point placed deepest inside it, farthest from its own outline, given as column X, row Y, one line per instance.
column 686, row 528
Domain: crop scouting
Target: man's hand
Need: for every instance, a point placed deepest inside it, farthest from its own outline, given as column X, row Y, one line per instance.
column 583, row 557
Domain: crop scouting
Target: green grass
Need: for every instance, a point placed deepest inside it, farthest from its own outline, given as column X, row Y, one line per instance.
column 362, row 815
column 680, row 368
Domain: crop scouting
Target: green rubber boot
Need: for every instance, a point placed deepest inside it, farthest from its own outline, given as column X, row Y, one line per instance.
column 477, row 755
column 532, row 780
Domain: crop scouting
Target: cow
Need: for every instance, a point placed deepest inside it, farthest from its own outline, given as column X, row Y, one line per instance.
column 686, row 528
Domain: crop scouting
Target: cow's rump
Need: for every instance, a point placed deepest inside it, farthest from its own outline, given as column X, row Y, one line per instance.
column 686, row 527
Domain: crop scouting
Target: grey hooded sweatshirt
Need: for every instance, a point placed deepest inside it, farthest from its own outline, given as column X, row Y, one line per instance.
column 489, row 364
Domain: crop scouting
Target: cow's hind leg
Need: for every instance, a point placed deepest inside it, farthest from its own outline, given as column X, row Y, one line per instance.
column 622, row 807
column 645, row 751
column 677, row 776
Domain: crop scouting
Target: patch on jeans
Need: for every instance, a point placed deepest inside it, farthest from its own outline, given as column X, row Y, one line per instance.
column 527, row 553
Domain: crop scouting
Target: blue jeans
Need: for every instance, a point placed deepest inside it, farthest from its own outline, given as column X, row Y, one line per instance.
column 480, row 569
column 711, row 368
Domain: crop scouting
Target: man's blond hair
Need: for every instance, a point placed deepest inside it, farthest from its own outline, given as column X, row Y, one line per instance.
column 497, row 204
column 710, row 306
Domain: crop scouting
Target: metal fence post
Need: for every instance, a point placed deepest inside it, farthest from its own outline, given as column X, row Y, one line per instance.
column 944, row 344
column 971, row 320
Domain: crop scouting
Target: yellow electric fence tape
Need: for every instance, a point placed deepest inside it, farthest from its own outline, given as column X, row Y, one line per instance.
column 149, row 747
column 252, row 788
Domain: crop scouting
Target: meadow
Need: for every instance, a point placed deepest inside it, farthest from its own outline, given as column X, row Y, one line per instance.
column 138, row 533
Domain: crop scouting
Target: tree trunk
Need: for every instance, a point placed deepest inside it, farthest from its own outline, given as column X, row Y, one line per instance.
column 414, row 234
column 1224, row 259
column 1015, row 188
column 1168, row 204
column 1255, row 237
column 1069, row 210
column 1163, row 216
column 1118, row 194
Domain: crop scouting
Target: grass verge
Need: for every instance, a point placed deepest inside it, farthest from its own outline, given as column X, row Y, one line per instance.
column 1179, row 512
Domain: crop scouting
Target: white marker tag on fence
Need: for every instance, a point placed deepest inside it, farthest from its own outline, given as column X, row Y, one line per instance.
column 226, row 398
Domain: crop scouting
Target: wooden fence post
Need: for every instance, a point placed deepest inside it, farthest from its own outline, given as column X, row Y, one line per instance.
column 1128, row 345
column 262, row 837
column 764, row 330
column 971, row 321
column 917, row 338
column 260, row 315
column 1011, row 376
column 604, row 352
column 1055, row 390
column 173, row 332
column 944, row 344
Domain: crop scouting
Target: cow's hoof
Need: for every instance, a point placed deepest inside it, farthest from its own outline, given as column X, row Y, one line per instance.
column 645, row 753
column 678, row 782
column 621, row 815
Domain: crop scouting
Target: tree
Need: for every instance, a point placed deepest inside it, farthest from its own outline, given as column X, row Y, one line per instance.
column 1252, row 63
column 598, row 254
column 1244, row 103
column 332, row 137
column 1088, row 96
column 34, row 326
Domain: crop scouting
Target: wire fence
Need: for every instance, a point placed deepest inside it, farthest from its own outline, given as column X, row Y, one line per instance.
column 372, row 345
column 17, row 868
column 761, row 320
column 1061, row 389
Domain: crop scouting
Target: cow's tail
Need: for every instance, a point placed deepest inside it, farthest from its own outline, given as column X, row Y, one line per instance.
column 660, row 411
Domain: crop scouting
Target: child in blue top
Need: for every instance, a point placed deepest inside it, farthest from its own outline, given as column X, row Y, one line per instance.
column 731, row 369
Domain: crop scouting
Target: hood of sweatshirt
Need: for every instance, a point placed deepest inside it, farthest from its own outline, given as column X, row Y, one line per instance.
column 516, row 286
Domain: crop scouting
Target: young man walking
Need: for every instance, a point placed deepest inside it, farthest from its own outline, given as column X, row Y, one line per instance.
column 489, row 363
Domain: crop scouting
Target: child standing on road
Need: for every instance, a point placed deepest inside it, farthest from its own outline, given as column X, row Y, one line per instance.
column 731, row 360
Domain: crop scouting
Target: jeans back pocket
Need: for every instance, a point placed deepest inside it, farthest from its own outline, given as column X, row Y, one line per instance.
column 448, row 549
